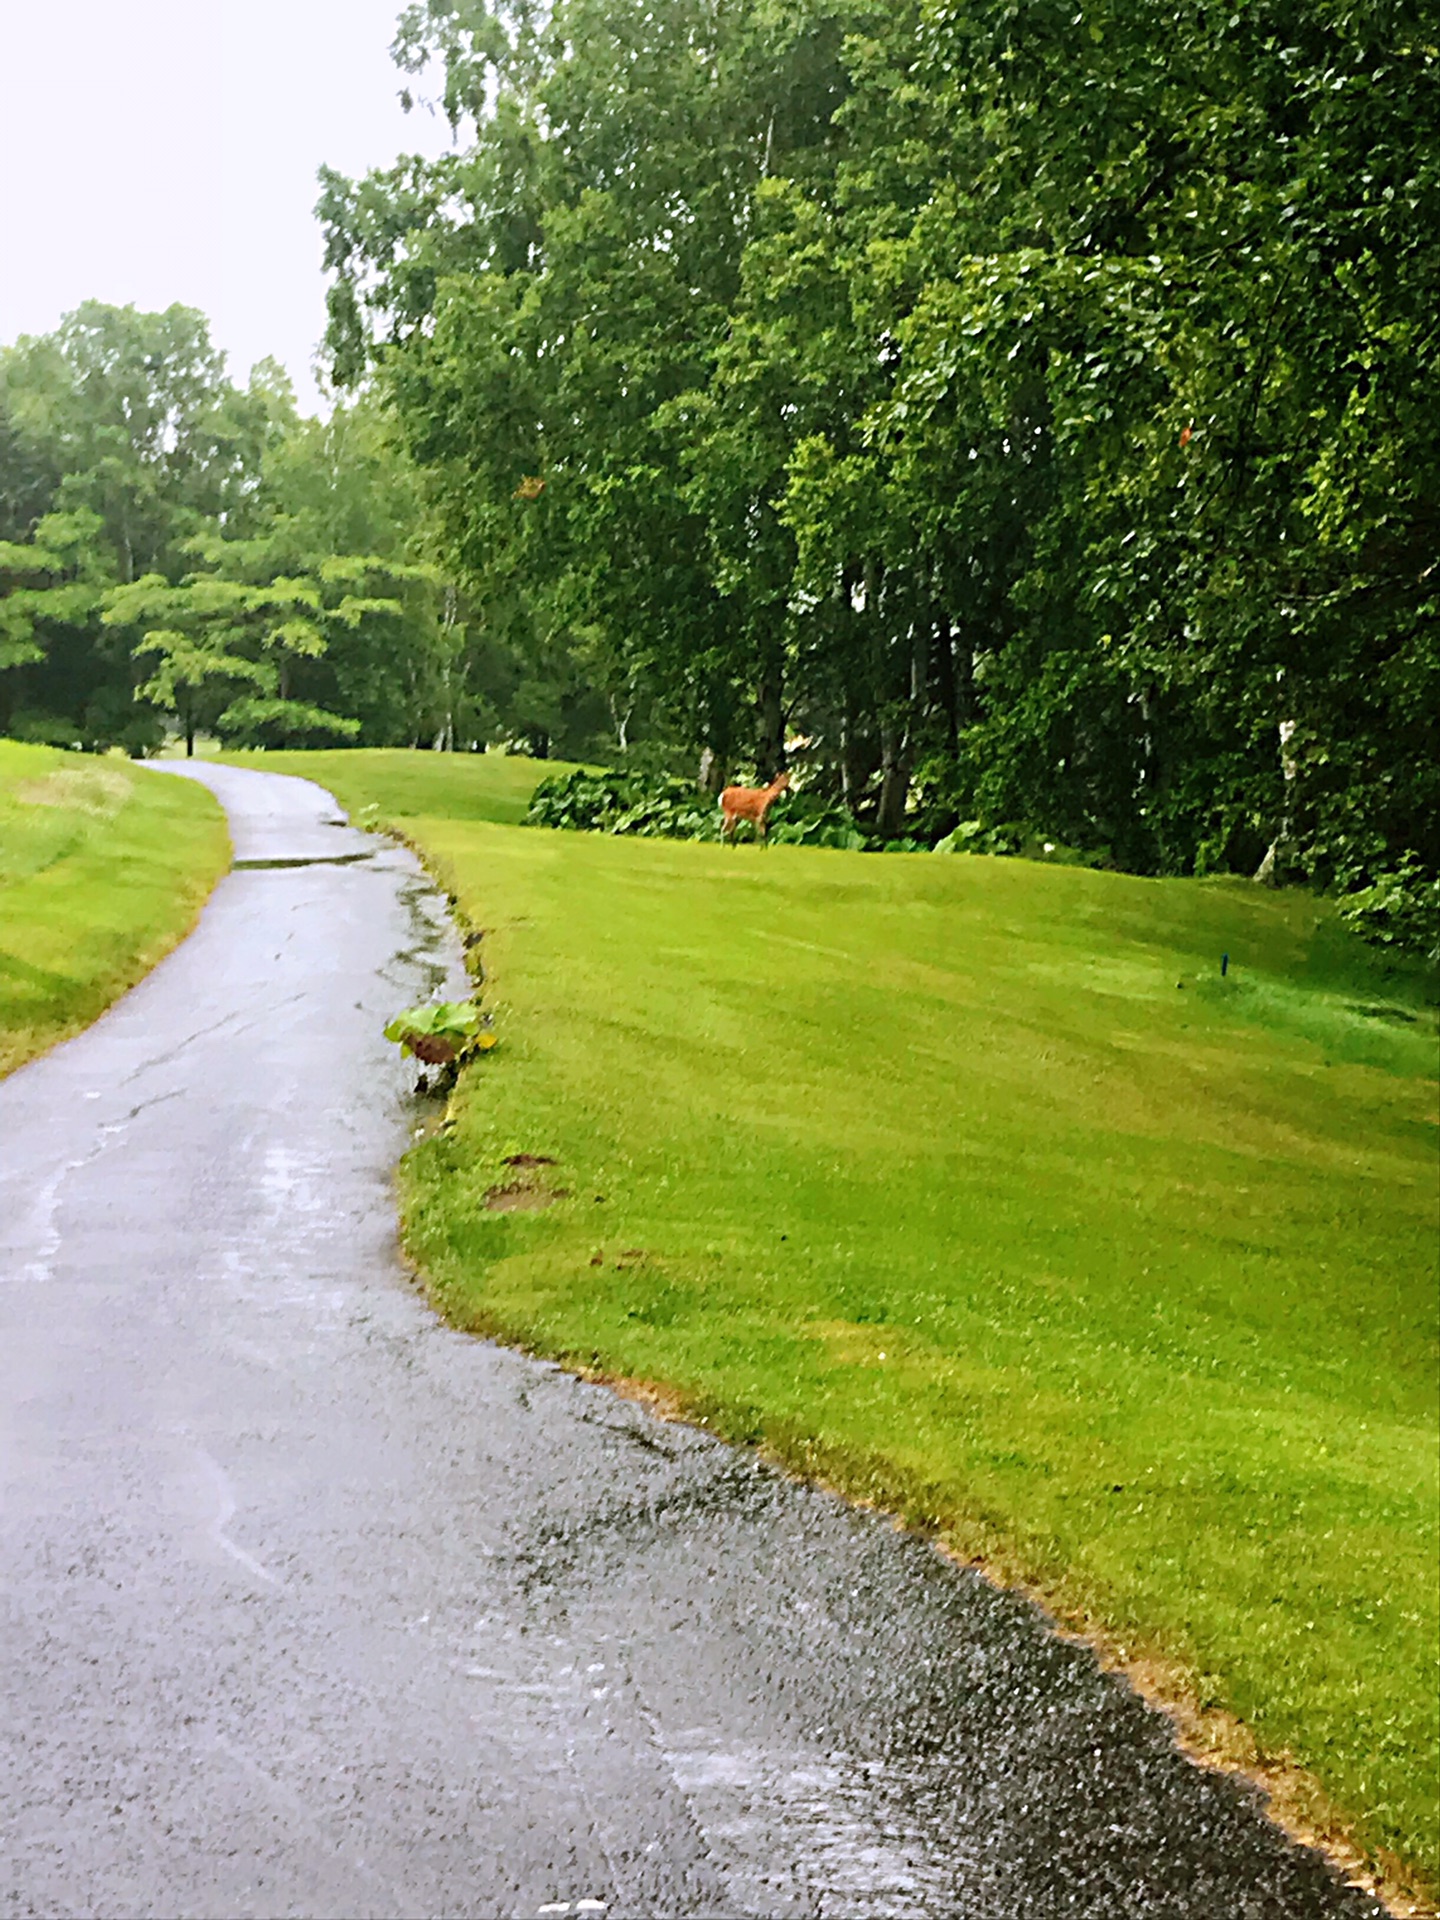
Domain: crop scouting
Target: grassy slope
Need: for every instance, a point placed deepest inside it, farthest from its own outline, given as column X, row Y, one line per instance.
column 103, row 868
column 391, row 783
column 944, row 1187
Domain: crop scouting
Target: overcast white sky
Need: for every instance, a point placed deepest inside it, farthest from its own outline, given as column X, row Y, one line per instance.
column 162, row 150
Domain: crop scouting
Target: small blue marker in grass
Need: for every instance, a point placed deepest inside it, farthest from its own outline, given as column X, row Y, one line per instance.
column 1224, row 965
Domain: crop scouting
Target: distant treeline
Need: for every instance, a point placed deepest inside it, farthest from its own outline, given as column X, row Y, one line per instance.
column 1006, row 415
column 1028, row 411
column 177, row 553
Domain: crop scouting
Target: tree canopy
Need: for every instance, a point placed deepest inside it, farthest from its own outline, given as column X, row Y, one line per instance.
column 179, row 552
column 1026, row 410
column 1017, row 418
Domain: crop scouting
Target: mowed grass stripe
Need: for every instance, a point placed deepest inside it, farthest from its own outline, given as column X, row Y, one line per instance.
column 930, row 1174
column 104, row 867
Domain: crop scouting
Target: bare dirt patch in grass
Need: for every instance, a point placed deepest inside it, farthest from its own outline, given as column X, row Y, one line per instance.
column 520, row 1197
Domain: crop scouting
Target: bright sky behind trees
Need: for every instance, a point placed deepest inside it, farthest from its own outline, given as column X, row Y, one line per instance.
column 166, row 151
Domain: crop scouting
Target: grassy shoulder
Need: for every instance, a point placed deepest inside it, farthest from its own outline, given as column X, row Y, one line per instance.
column 394, row 784
column 103, row 869
column 971, row 1186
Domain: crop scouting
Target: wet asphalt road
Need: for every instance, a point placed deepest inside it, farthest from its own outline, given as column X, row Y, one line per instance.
column 314, row 1607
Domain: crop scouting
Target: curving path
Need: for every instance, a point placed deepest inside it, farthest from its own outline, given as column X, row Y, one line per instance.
column 313, row 1607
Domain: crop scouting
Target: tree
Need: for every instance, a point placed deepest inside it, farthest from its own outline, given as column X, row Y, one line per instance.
column 208, row 555
column 127, row 441
column 1029, row 410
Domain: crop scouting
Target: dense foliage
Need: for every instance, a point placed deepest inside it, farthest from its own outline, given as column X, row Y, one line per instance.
column 624, row 802
column 176, row 552
column 1008, row 416
column 639, row 802
column 1025, row 411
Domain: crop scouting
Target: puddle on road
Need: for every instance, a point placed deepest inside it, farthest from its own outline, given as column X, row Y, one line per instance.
column 302, row 860
column 435, row 939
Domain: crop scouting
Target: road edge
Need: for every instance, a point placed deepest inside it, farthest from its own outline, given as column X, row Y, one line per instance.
column 1294, row 1800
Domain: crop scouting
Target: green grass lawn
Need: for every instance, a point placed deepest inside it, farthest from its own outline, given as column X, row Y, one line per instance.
column 103, row 868
column 972, row 1186
column 392, row 783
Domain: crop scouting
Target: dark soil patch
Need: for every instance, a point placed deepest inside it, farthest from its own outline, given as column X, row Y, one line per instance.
column 520, row 1198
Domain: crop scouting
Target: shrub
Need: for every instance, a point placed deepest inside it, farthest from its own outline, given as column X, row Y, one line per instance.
column 805, row 820
column 634, row 801
column 1400, row 908
column 973, row 836
column 443, row 1034
column 43, row 729
column 624, row 802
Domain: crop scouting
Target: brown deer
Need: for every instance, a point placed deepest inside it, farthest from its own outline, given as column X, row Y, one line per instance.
column 749, row 803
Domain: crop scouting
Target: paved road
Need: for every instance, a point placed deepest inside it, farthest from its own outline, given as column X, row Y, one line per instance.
column 314, row 1607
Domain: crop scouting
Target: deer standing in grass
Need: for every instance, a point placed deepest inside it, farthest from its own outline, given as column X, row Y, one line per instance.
column 749, row 803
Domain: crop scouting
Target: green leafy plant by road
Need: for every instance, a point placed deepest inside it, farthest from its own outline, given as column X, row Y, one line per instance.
column 443, row 1033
